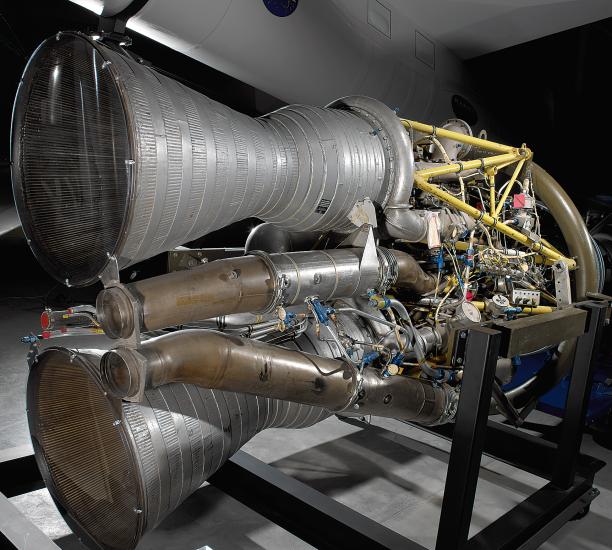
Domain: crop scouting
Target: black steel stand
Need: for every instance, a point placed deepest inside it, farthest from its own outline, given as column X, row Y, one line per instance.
column 570, row 489
column 325, row 523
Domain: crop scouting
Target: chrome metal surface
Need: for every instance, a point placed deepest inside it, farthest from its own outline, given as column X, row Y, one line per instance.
column 256, row 283
column 185, row 165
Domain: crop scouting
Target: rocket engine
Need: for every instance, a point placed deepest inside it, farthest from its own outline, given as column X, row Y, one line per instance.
column 383, row 238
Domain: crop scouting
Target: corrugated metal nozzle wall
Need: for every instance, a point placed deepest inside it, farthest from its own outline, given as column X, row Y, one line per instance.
column 112, row 158
column 119, row 468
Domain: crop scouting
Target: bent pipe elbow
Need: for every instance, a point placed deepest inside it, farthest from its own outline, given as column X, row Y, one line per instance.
column 411, row 275
column 574, row 230
column 214, row 360
column 406, row 224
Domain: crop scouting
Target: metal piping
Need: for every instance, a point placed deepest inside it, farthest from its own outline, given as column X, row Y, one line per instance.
column 256, row 283
column 573, row 228
column 587, row 279
column 220, row 361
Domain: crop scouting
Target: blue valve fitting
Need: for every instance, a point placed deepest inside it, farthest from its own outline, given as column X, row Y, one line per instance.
column 289, row 318
column 322, row 312
column 369, row 358
column 377, row 300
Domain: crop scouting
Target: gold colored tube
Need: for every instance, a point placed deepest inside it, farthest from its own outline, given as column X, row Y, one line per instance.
column 487, row 162
column 220, row 361
column 509, row 187
column 532, row 310
column 491, row 178
column 491, row 221
column 462, row 138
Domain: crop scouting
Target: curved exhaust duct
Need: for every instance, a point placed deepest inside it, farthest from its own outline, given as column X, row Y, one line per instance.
column 219, row 361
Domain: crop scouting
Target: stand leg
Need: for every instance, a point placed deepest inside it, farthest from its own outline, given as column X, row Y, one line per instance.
column 482, row 349
column 578, row 396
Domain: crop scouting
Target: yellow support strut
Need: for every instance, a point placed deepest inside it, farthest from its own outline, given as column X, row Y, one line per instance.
column 532, row 310
column 490, row 221
column 456, row 136
column 487, row 162
column 508, row 155
column 509, row 186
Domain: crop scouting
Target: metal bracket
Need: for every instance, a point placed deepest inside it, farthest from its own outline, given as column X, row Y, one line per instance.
column 369, row 264
column 563, row 288
column 363, row 213
column 110, row 274
column 459, row 349
column 357, row 238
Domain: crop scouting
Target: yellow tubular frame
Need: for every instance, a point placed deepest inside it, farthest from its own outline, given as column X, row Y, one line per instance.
column 508, row 155
column 491, row 178
column 508, row 188
column 533, row 310
column 441, row 132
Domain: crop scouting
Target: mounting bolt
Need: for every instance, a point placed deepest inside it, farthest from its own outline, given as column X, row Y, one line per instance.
column 116, row 422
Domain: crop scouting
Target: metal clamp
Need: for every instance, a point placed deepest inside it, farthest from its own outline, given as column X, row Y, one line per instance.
column 389, row 269
column 280, row 282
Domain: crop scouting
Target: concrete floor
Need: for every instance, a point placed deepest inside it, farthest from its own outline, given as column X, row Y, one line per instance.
column 389, row 471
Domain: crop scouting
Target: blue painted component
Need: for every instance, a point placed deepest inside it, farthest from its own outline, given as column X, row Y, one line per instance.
column 511, row 312
column 440, row 260
column 437, row 374
column 281, row 8
column 29, row 339
column 397, row 359
column 322, row 312
column 378, row 300
column 467, row 258
column 553, row 402
column 289, row 318
column 369, row 357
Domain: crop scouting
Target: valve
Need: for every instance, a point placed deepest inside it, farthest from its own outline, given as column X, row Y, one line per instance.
column 322, row 312
column 377, row 300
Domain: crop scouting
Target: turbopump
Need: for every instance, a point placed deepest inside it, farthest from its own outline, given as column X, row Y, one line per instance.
column 383, row 239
